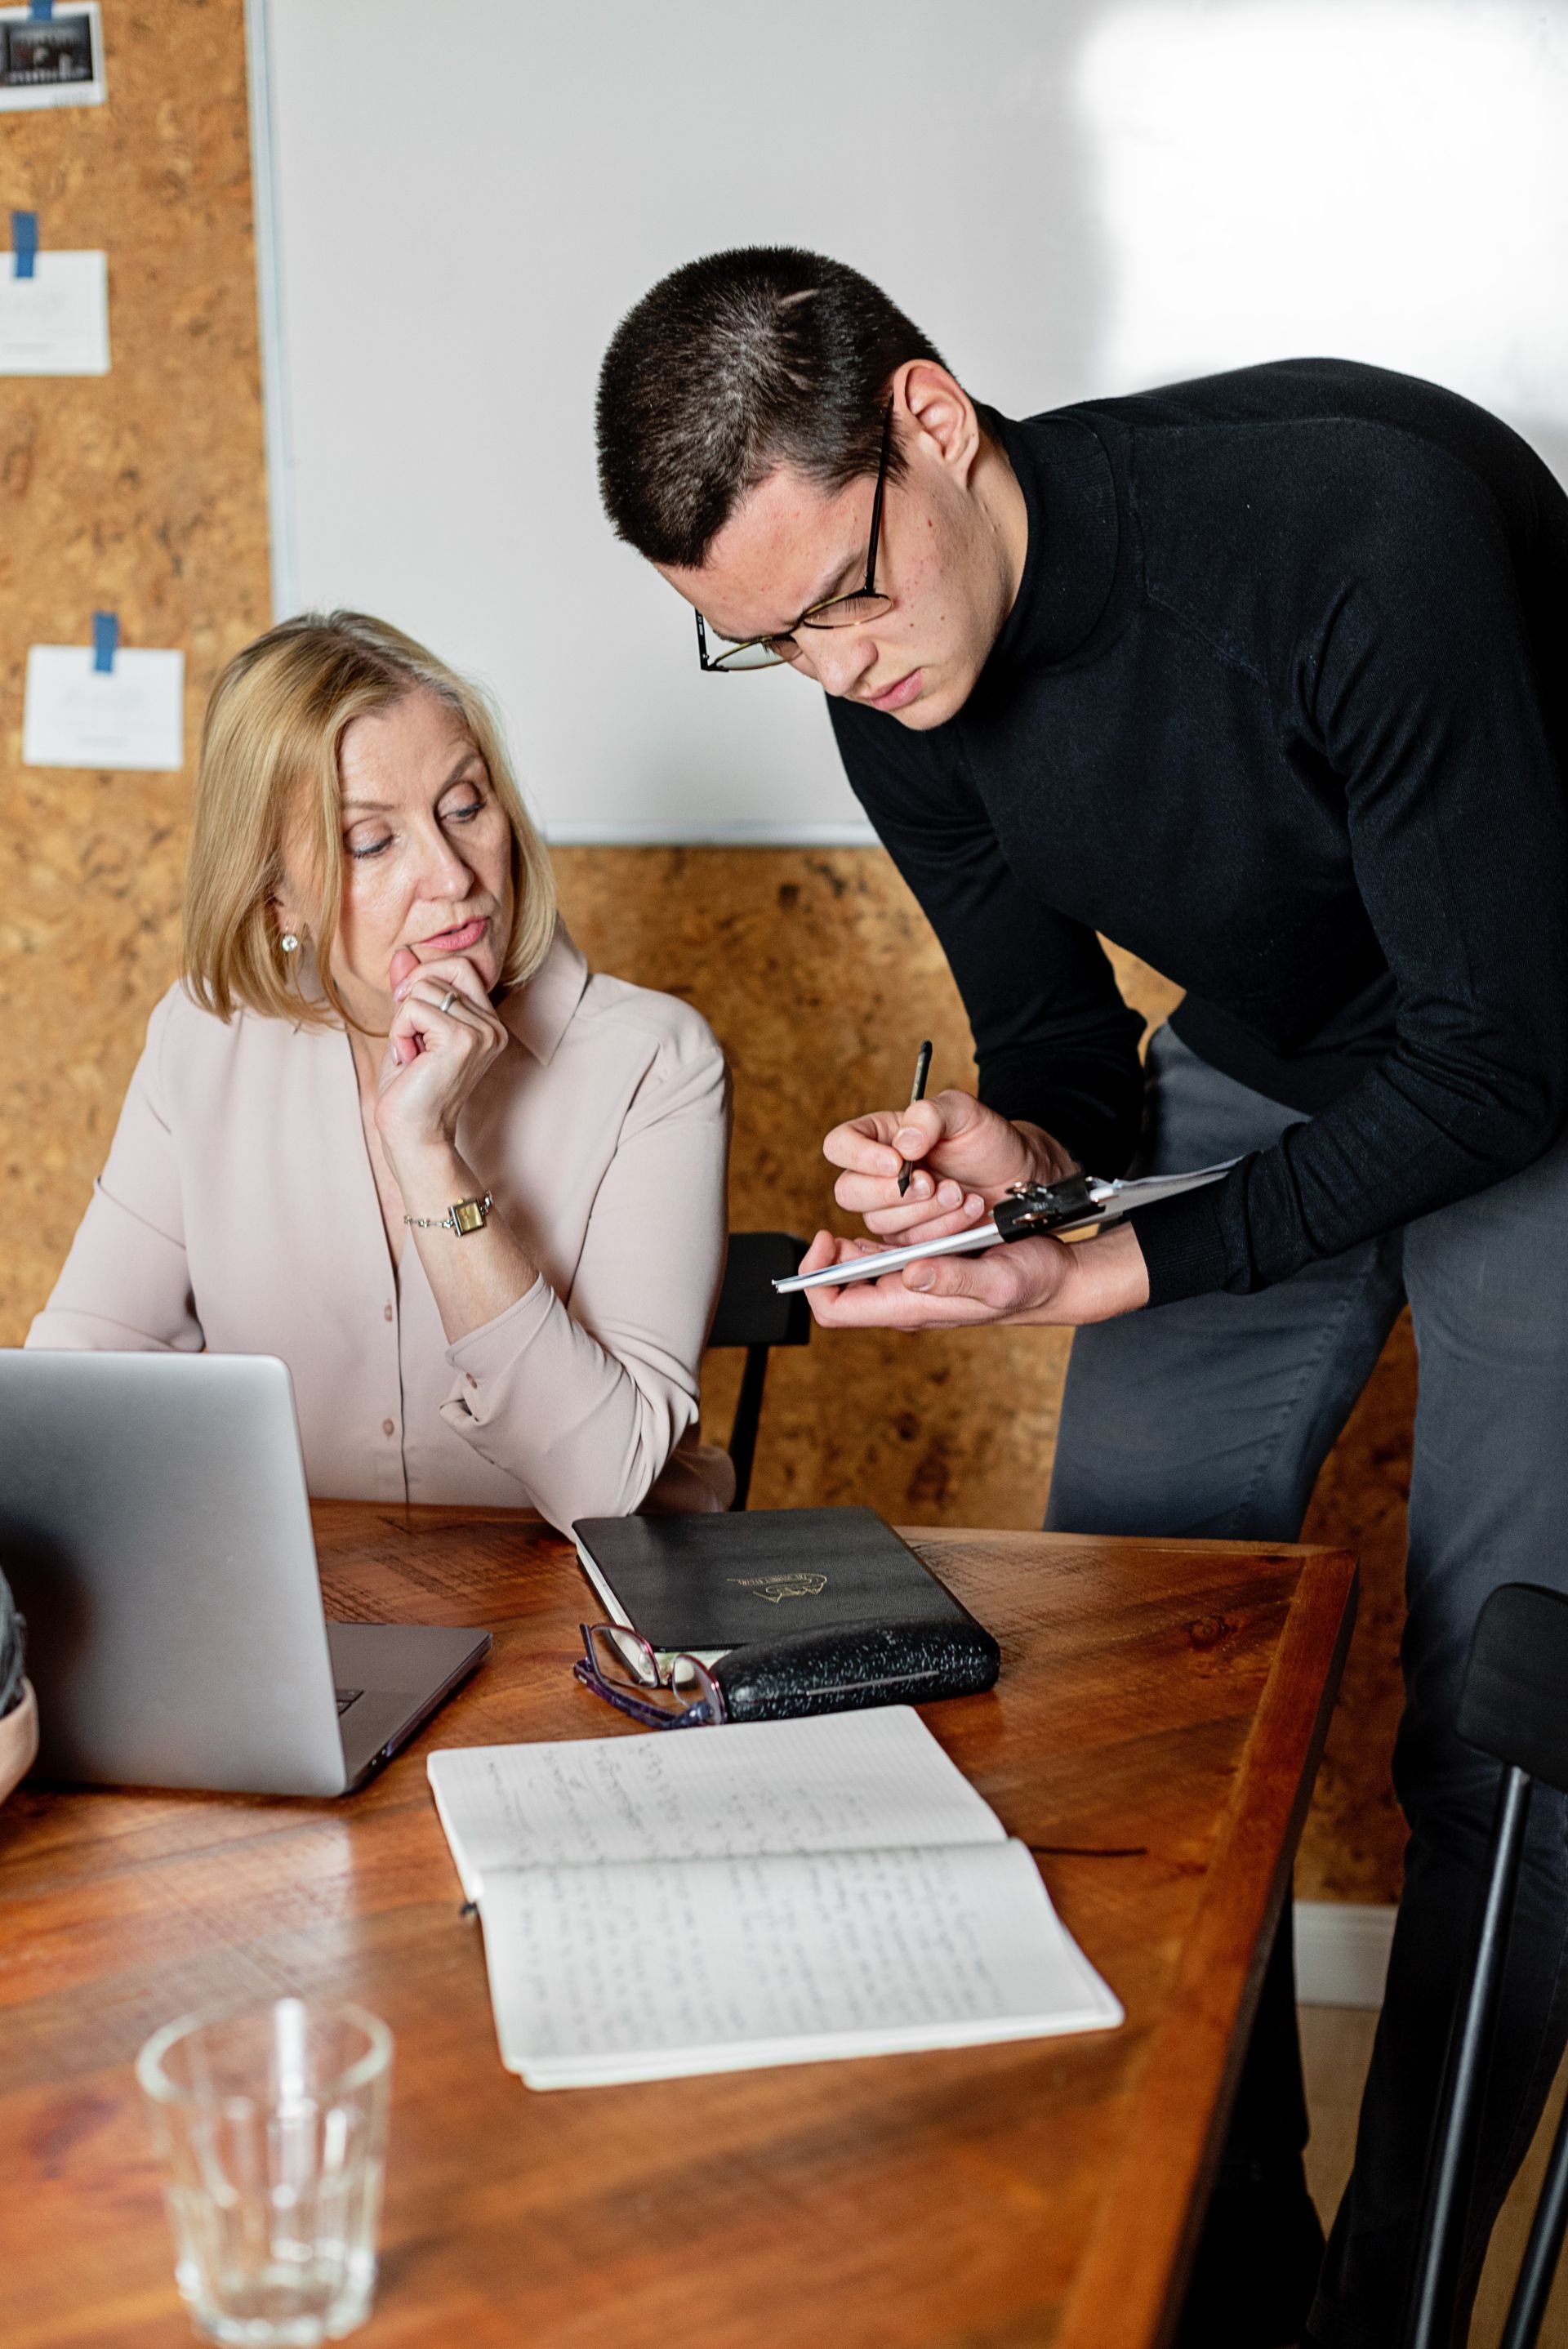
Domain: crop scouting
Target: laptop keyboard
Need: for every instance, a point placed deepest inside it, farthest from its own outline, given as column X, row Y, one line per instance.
column 346, row 1697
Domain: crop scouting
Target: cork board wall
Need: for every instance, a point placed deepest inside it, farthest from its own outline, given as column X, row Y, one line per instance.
column 144, row 491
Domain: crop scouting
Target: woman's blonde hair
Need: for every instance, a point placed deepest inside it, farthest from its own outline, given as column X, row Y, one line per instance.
column 270, row 746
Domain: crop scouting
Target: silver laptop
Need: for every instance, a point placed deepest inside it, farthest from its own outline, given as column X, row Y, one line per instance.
column 154, row 1527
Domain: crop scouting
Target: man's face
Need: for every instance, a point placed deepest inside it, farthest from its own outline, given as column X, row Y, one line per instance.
column 946, row 557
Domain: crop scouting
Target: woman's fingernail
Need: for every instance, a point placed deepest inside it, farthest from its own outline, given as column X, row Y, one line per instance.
column 908, row 1138
column 919, row 1276
column 920, row 1184
column 950, row 1195
column 973, row 1203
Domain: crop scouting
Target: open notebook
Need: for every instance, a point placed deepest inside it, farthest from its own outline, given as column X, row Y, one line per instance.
column 771, row 1892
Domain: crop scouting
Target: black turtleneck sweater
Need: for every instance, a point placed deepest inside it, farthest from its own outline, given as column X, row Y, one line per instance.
column 1282, row 706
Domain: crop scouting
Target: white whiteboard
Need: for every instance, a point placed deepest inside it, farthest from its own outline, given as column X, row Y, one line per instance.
column 458, row 199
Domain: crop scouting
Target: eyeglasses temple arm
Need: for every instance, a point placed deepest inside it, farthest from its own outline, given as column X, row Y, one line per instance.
column 871, row 586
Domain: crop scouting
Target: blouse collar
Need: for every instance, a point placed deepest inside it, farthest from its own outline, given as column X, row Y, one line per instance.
column 540, row 1013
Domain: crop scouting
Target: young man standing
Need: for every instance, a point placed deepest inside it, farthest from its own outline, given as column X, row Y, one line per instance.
column 1264, row 676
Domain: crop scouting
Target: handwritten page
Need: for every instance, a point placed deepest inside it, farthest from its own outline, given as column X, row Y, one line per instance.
column 663, row 1970
column 132, row 715
column 770, row 1892
column 842, row 1782
column 56, row 321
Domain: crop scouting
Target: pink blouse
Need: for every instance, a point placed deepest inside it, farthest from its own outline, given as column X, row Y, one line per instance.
column 238, row 1212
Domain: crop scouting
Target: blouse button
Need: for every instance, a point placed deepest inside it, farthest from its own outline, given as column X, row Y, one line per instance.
column 386, row 1313
column 389, row 1427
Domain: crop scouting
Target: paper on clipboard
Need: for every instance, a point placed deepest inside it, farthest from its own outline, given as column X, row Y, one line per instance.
column 1105, row 1203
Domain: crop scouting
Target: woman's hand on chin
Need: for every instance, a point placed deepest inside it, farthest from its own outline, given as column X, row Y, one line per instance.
column 435, row 1056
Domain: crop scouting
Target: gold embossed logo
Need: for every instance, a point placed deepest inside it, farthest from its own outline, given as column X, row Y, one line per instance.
column 776, row 1588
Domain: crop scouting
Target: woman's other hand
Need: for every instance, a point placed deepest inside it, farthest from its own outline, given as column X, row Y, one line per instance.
column 437, row 1050
column 963, row 1156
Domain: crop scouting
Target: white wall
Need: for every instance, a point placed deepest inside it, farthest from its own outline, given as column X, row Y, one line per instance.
column 462, row 196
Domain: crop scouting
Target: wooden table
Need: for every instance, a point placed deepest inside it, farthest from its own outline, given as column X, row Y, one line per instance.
column 1153, row 1737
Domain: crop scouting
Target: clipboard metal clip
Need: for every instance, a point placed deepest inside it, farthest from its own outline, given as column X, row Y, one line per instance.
column 1031, row 1207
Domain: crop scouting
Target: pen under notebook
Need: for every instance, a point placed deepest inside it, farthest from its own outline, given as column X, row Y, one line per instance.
column 917, row 1092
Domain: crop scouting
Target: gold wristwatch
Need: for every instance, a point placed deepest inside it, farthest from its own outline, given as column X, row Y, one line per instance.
column 463, row 1216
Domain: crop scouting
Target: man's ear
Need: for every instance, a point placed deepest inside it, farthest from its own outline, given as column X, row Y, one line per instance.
column 937, row 418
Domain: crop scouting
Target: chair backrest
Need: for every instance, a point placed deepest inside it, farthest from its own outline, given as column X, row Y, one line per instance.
column 751, row 1313
column 1515, row 1701
column 1512, row 1706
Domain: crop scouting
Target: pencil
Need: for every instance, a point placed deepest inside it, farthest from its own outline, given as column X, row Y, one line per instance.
column 916, row 1092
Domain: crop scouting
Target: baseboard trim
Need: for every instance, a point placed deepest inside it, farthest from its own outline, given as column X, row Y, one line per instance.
column 1341, row 1952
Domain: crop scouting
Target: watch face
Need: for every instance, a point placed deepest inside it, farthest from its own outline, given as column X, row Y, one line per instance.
column 468, row 1216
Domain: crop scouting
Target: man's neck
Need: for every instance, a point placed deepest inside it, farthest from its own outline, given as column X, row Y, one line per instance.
column 1005, row 519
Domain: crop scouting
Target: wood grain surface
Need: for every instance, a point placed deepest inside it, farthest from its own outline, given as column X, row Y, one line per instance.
column 1153, row 1738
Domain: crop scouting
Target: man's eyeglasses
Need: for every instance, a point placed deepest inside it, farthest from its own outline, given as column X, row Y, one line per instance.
column 833, row 612
column 619, row 1665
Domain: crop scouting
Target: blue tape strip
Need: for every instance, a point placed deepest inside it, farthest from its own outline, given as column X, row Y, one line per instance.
column 106, row 638
column 24, row 242
column 41, row 10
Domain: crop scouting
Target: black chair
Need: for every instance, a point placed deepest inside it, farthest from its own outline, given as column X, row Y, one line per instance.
column 1516, row 1708
column 749, row 1314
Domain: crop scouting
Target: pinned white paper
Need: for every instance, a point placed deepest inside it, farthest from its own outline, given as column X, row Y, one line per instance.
column 56, row 321
column 132, row 715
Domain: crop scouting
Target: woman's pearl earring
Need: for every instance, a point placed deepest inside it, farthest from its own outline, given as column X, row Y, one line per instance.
column 289, row 943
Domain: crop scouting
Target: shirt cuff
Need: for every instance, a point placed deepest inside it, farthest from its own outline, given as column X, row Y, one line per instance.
column 495, row 1345
column 1100, row 1144
column 1183, row 1245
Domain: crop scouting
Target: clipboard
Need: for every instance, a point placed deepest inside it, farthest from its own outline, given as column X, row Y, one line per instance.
column 1082, row 1202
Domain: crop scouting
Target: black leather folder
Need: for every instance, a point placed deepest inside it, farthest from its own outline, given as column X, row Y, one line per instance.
column 753, row 1576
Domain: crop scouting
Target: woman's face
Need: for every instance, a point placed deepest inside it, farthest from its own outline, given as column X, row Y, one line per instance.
column 427, row 852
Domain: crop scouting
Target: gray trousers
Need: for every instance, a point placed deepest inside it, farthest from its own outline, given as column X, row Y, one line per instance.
column 1212, row 1417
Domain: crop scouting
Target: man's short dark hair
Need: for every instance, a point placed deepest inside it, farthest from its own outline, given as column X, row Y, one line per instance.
column 731, row 367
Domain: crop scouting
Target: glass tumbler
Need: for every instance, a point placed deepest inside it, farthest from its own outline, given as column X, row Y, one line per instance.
column 272, row 2124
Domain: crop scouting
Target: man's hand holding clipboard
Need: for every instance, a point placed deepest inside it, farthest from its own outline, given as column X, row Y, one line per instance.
column 973, row 1238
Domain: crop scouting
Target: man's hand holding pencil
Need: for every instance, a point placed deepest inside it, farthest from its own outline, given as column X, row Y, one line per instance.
column 961, row 1158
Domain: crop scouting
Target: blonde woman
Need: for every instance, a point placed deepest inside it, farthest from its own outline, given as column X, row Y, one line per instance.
column 389, row 1127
